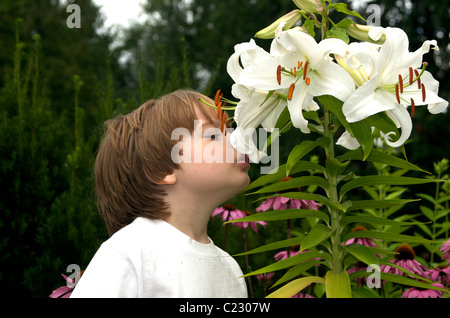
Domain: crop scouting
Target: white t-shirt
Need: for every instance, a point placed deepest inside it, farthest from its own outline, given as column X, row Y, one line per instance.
column 151, row 258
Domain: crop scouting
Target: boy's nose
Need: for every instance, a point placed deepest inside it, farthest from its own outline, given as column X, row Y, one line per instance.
column 241, row 158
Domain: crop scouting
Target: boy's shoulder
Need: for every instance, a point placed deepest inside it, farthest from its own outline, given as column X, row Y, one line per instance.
column 140, row 233
column 155, row 236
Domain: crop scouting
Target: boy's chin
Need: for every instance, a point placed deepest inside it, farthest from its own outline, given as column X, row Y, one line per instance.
column 245, row 182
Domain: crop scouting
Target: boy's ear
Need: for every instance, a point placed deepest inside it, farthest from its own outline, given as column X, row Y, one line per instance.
column 169, row 179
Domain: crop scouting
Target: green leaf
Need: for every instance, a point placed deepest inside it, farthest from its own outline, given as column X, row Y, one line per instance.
column 407, row 272
column 294, row 287
column 373, row 220
column 361, row 130
column 363, row 253
column 338, row 33
column 427, row 212
column 295, row 183
column 383, row 122
column 296, row 271
column 385, row 236
column 278, row 215
column 380, row 157
column 337, row 285
column 302, row 196
column 342, row 7
column 377, row 204
column 400, row 280
column 380, row 180
column 300, row 166
column 302, row 150
column 335, row 167
column 364, row 292
column 409, row 282
column 274, row 246
column 288, row 262
column 317, row 235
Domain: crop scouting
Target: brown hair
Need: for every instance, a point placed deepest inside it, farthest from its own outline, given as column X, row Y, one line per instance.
column 135, row 154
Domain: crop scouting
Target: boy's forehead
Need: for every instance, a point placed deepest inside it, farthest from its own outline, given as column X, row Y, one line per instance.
column 208, row 116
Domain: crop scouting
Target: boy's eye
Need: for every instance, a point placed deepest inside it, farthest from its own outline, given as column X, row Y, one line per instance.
column 212, row 137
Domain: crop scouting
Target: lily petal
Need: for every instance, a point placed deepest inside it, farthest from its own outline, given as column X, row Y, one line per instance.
column 300, row 100
column 245, row 53
column 401, row 117
column 346, row 140
column 256, row 107
column 331, row 79
column 242, row 140
column 366, row 101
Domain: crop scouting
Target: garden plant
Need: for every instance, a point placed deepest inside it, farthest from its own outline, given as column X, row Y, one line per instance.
column 352, row 90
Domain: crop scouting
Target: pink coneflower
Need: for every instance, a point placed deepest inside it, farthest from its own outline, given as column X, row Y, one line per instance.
column 445, row 249
column 405, row 258
column 265, row 277
column 360, row 281
column 253, row 225
column 440, row 274
column 288, row 253
column 66, row 290
column 229, row 212
column 360, row 240
column 281, row 203
column 416, row 292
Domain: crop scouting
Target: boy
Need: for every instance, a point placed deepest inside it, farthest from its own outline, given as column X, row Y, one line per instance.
column 157, row 211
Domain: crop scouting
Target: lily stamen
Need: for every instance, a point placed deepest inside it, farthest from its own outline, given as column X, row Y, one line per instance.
column 291, row 91
column 218, row 96
column 308, row 81
column 400, row 81
column 294, row 71
column 279, row 69
column 222, row 123
column 219, row 109
column 413, row 108
column 397, row 93
column 424, row 93
column 305, row 70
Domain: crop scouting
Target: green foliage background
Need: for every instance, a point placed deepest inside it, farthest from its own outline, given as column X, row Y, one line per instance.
column 58, row 86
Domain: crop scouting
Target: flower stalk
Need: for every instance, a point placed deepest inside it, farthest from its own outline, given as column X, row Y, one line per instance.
column 336, row 252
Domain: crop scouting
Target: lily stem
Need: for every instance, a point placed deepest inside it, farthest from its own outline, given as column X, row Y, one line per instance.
column 336, row 251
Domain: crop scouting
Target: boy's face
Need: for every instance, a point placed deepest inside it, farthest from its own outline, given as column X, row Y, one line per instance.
column 212, row 167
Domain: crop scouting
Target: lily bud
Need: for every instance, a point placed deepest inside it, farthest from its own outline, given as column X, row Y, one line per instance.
column 309, row 5
column 290, row 19
column 372, row 34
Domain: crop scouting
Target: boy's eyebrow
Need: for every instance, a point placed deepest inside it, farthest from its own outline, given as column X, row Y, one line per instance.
column 209, row 122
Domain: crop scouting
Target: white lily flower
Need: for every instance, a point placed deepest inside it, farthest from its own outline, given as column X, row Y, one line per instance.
column 347, row 141
column 244, row 55
column 303, row 68
column 254, row 108
column 390, row 79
